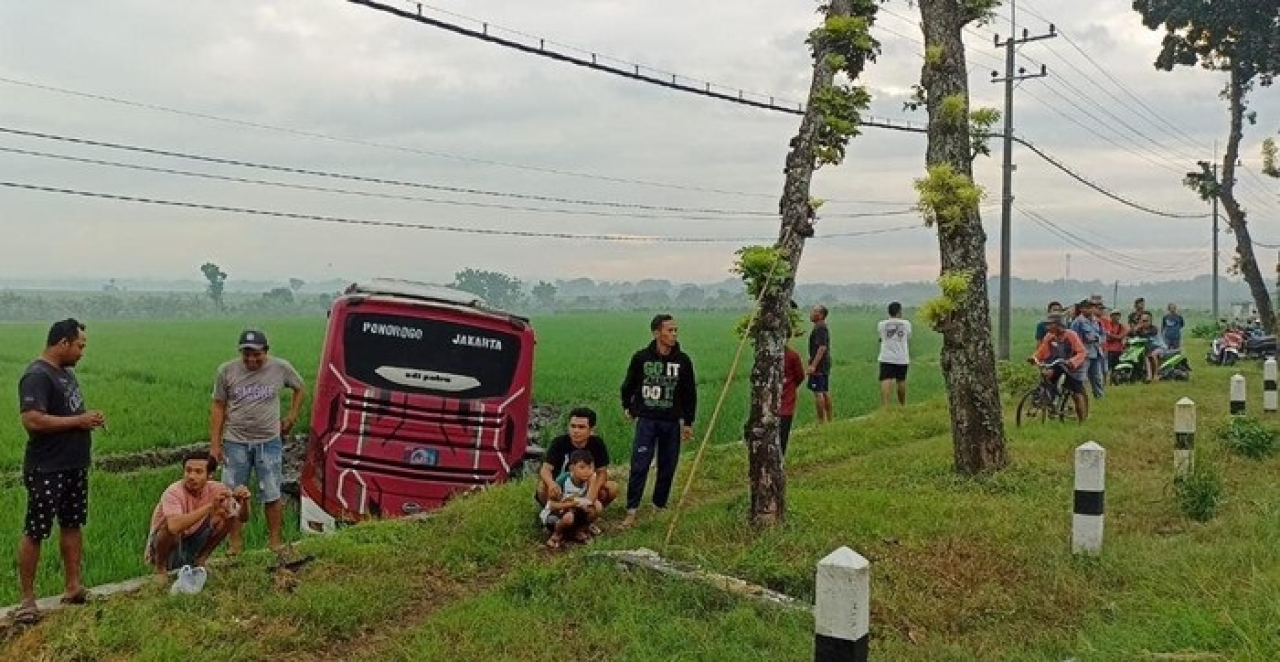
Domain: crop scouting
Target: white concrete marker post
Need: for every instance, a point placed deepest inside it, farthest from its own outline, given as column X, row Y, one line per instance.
column 1237, row 395
column 1086, row 522
column 842, row 609
column 1269, row 396
column 1184, row 437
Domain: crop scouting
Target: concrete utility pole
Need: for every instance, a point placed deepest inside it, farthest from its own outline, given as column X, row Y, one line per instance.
column 1006, row 212
column 1214, row 200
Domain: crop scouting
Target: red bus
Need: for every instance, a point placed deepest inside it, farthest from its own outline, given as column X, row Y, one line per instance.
column 423, row 392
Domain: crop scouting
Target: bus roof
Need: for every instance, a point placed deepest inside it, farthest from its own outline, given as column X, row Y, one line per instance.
column 437, row 294
column 415, row 290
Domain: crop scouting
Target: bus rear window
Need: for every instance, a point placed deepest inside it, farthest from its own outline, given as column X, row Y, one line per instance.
column 418, row 355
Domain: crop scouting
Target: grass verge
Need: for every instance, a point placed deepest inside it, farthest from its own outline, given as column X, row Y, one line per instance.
column 963, row 569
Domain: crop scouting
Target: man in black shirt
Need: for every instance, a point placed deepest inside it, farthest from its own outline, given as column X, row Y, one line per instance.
column 819, row 367
column 55, row 469
column 660, row 394
column 582, row 436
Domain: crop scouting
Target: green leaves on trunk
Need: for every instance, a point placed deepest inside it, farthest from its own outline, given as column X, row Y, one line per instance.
column 845, row 45
column 947, row 197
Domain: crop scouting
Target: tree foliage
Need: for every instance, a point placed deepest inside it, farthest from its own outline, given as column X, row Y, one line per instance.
column 217, row 282
column 496, row 288
column 1242, row 39
column 545, row 294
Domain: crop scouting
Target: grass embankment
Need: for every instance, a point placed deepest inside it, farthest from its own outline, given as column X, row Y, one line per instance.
column 962, row 569
column 154, row 378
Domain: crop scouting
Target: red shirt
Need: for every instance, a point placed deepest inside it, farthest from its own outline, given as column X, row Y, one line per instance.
column 1116, row 329
column 792, row 378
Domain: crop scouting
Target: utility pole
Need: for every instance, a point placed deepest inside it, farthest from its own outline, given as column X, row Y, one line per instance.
column 1213, row 168
column 1006, row 211
column 1215, row 245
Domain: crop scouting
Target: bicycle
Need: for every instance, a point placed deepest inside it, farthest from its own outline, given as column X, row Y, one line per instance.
column 1047, row 400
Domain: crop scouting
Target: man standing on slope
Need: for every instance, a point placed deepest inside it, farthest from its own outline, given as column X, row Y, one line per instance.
column 659, row 393
column 55, row 469
column 819, row 368
column 246, row 428
column 895, row 356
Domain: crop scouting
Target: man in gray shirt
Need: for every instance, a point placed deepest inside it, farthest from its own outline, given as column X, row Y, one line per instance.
column 246, row 429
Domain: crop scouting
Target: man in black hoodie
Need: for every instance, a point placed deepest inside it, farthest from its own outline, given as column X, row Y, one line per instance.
column 660, row 395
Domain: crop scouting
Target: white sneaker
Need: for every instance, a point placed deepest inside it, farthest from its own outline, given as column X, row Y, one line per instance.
column 189, row 582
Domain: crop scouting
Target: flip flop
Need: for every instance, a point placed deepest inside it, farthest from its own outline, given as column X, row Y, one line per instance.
column 78, row 598
column 554, row 542
column 27, row 615
column 595, row 530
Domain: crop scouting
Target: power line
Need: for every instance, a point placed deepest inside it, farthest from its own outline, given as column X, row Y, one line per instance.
column 386, row 196
column 381, row 145
column 674, row 84
column 1175, row 130
column 341, row 220
column 1108, row 255
column 395, row 182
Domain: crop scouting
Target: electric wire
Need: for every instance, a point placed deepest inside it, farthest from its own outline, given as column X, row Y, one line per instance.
column 343, row 220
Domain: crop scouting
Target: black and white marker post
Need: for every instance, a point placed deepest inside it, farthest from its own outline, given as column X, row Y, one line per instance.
column 842, row 609
column 1237, row 395
column 1184, row 437
column 1269, row 400
column 1086, row 522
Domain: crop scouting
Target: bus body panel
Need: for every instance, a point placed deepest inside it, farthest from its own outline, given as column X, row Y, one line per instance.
column 416, row 400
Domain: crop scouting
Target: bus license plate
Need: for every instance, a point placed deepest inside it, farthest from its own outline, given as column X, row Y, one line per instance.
column 424, row 457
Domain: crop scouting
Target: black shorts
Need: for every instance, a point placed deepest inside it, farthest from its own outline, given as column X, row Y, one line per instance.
column 61, row 494
column 819, row 382
column 893, row 371
column 1072, row 384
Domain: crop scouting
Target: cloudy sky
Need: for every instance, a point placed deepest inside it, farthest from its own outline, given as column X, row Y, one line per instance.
column 331, row 86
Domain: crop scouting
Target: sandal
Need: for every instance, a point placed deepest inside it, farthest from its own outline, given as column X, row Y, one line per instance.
column 555, row 541
column 595, row 530
column 27, row 615
column 78, row 598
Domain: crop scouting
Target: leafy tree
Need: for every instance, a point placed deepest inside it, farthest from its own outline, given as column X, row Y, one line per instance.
column 545, row 294
column 949, row 200
column 841, row 45
column 295, row 284
column 217, row 282
column 1242, row 39
column 279, row 296
column 495, row 287
column 690, row 297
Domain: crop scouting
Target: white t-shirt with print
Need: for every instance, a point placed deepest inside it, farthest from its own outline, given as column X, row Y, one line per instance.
column 894, row 335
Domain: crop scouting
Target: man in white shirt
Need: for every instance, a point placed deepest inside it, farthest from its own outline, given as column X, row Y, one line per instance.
column 895, row 357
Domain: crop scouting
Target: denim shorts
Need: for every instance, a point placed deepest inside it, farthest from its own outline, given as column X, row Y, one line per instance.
column 264, row 458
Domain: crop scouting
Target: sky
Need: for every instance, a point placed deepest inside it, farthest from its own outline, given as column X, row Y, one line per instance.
column 336, row 87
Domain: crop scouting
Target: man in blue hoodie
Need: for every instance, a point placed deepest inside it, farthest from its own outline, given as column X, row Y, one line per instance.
column 661, row 396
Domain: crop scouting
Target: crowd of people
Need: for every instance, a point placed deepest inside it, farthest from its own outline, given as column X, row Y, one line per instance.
column 1079, row 348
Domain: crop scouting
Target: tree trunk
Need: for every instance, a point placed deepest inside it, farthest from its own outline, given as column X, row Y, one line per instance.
column 1236, row 216
column 772, row 326
column 968, row 361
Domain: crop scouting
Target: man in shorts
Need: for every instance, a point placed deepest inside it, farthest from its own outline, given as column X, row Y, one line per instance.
column 194, row 516
column 1062, row 343
column 895, row 354
column 819, row 368
column 55, row 469
column 246, row 430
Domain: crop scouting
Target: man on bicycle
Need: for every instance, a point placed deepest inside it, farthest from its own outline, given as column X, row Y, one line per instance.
column 1063, row 345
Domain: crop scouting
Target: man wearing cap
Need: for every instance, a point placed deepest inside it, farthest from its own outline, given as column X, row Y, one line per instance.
column 1061, row 343
column 246, row 431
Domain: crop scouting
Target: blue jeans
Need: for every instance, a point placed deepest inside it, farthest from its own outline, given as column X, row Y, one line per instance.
column 266, row 459
column 1097, row 370
column 653, row 436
